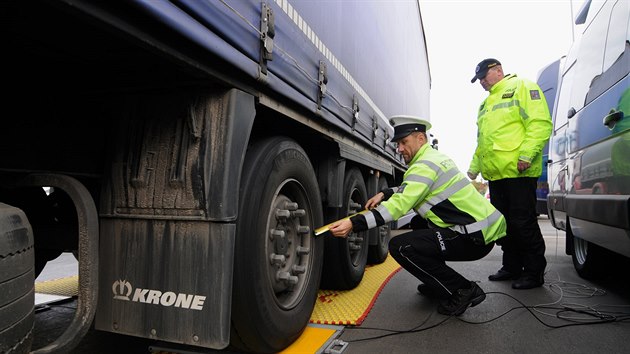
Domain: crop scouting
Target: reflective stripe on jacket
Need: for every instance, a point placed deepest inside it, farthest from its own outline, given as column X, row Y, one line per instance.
column 437, row 191
column 513, row 124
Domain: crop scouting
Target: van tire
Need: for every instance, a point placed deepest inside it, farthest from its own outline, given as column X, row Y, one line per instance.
column 17, row 283
column 588, row 258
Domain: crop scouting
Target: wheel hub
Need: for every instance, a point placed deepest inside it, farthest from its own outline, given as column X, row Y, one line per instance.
column 288, row 244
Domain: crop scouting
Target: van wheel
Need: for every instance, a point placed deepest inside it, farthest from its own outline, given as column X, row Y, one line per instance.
column 277, row 265
column 17, row 296
column 377, row 253
column 587, row 258
column 345, row 258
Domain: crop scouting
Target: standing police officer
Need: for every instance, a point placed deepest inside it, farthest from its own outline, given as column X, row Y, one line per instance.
column 513, row 125
column 461, row 225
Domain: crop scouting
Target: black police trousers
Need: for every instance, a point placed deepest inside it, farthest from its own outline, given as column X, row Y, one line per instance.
column 523, row 246
column 424, row 252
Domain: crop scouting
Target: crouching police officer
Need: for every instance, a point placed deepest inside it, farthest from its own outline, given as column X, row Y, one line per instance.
column 460, row 224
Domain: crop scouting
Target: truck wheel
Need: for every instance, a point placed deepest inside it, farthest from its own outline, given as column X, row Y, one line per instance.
column 377, row 253
column 34, row 203
column 17, row 297
column 277, row 266
column 588, row 258
column 345, row 258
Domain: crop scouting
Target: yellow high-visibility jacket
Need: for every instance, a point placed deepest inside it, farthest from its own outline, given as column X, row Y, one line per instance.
column 437, row 191
column 513, row 124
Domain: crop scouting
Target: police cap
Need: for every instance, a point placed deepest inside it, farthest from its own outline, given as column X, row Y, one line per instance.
column 405, row 125
column 482, row 68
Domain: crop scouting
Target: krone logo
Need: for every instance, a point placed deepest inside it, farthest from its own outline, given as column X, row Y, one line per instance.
column 121, row 289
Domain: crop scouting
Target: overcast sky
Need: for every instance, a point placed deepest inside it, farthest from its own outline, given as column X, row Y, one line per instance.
column 524, row 35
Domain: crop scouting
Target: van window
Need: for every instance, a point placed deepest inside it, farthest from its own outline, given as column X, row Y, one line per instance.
column 590, row 57
column 615, row 65
column 617, row 33
column 593, row 9
column 561, row 115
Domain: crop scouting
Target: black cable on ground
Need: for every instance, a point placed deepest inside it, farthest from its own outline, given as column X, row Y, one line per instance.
column 593, row 317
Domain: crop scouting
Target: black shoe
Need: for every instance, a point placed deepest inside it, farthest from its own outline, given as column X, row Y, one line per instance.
column 425, row 290
column 528, row 282
column 461, row 299
column 503, row 274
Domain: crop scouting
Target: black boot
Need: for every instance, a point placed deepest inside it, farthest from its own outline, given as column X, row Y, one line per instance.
column 529, row 281
column 461, row 299
column 503, row 274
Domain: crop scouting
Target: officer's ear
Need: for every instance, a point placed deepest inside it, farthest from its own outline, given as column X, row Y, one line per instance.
column 423, row 137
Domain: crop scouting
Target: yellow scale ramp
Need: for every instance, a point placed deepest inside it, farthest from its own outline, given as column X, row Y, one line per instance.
column 68, row 286
column 350, row 307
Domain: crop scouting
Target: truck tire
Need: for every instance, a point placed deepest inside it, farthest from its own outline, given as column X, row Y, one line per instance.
column 17, row 283
column 345, row 258
column 277, row 266
column 377, row 253
column 43, row 215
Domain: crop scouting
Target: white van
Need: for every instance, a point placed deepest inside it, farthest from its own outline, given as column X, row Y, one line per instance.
column 589, row 150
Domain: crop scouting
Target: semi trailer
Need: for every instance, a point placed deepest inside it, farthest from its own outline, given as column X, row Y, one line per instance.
column 185, row 151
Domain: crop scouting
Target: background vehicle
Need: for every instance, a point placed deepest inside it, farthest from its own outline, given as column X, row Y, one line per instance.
column 193, row 146
column 548, row 80
column 590, row 176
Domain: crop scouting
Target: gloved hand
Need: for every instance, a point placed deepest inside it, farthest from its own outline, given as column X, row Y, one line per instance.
column 472, row 175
